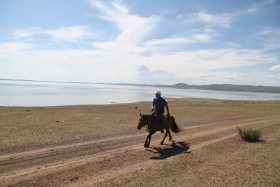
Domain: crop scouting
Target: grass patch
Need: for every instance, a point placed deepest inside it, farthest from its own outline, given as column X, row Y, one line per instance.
column 249, row 135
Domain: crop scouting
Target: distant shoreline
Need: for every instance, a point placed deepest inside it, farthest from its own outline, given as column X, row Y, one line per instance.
column 213, row 87
column 216, row 87
column 231, row 88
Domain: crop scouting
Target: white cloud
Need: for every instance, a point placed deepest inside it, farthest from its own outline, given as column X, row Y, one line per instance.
column 272, row 59
column 221, row 20
column 202, row 37
column 13, row 47
column 99, row 66
column 72, row 34
column 232, row 44
column 23, row 33
column 194, row 38
column 270, row 31
column 275, row 68
column 91, row 63
column 13, row 52
column 138, row 53
column 143, row 68
column 132, row 28
column 212, row 59
column 208, row 77
column 270, row 36
column 168, row 41
column 270, row 1
column 151, row 77
column 206, row 27
column 210, row 20
column 258, row 6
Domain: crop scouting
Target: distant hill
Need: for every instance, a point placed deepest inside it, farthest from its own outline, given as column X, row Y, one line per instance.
column 215, row 87
column 230, row 87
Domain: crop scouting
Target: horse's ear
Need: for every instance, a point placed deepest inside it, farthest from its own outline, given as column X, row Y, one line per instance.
column 140, row 115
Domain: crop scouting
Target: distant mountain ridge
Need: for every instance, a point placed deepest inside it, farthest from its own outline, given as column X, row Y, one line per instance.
column 230, row 87
column 215, row 87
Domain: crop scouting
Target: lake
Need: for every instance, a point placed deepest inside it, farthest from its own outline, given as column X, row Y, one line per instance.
column 32, row 93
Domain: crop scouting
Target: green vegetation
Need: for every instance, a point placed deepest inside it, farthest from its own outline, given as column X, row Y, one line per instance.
column 249, row 135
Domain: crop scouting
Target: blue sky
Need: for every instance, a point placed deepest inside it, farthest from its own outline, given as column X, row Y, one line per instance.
column 141, row 41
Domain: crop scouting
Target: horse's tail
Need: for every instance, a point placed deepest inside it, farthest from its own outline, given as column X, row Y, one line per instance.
column 174, row 126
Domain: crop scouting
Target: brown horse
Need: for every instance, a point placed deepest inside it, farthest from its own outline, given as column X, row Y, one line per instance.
column 153, row 125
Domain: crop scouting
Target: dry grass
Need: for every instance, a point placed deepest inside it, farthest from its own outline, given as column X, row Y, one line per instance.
column 21, row 126
column 193, row 110
column 226, row 163
column 230, row 162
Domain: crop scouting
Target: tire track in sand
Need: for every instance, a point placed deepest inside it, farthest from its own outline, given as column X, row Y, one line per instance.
column 96, row 160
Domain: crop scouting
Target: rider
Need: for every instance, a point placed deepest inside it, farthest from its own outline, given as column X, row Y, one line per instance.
column 158, row 105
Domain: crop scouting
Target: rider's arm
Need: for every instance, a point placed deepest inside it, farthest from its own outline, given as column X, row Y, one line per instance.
column 153, row 106
column 167, row 108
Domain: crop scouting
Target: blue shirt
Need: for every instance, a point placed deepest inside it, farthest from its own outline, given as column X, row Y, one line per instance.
column 159, row 103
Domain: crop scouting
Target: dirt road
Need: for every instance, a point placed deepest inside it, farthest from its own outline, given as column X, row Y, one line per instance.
column 88, row 162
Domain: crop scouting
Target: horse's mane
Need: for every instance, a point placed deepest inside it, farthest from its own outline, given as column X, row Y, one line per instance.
column 147, row 115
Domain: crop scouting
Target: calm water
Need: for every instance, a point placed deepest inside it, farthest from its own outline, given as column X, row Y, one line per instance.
column 30, row 93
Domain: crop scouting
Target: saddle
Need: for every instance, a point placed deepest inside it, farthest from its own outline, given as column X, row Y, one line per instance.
column 154, row 115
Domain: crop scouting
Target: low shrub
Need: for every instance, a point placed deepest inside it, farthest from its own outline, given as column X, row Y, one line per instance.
column 249, row 135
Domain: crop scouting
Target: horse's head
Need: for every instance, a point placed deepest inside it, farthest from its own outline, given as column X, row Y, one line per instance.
column 142, row 121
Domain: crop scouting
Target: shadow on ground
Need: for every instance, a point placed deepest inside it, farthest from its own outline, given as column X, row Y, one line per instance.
column 174, row 149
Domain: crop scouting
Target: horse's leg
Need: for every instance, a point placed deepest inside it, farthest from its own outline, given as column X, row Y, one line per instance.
column 150, row 137
column 147, row 140
column 170, row 137
column 167, row 131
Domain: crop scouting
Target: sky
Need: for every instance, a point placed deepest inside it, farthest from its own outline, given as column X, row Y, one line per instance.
column 197, row 42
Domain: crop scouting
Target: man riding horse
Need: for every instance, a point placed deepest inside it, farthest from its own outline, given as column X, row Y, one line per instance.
column 156, row 121
column 158, row 107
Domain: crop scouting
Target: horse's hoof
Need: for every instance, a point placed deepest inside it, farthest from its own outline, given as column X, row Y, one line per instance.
column 161, row 143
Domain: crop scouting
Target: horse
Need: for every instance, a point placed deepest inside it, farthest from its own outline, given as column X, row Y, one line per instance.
column 153, row 125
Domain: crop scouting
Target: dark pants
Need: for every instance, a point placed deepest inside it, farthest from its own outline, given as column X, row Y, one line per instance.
column 160, row 117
